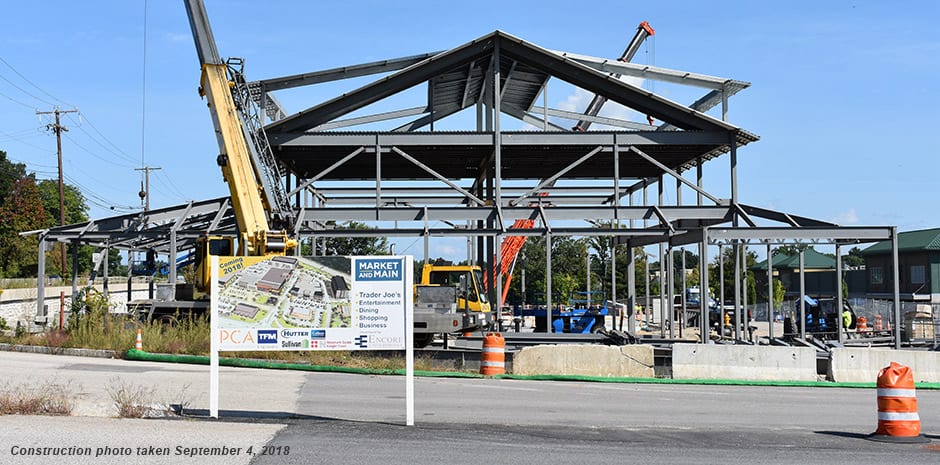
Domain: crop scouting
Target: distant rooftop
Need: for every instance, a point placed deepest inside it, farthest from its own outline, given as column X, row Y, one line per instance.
column 910, row 241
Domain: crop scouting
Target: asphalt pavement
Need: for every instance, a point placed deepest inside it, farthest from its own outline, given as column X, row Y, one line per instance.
column 275, row 417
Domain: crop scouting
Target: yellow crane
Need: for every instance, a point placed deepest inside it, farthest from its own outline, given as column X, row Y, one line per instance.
column 250, row 203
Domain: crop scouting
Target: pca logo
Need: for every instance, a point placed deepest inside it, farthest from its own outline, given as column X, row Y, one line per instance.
column 362, row 341
column 267, row 336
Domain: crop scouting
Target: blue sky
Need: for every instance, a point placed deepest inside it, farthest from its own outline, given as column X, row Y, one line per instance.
column 843, row 95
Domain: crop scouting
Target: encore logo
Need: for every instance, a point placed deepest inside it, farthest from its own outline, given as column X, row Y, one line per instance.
column 237, row 337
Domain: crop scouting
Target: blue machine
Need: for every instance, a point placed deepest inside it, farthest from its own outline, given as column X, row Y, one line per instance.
column 581, row 316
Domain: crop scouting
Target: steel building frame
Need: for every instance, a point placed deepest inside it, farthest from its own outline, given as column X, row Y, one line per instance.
column 423, row 182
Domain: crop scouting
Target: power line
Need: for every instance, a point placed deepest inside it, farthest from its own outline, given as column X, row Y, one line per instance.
column 85, row 149
column 16, row 101
column 143, row 93
column 26, row 92
column 179, row 193
column 53, row 97
column 115, row 150
column 90, row 194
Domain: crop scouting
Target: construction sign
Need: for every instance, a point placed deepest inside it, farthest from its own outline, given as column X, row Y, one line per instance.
column 318, row 303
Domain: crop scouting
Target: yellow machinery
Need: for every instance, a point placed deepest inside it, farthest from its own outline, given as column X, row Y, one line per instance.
column 243, row 175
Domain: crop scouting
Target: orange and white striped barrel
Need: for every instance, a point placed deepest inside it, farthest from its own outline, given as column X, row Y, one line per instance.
column 493, row 358
column 861, row 324
column 897, row 403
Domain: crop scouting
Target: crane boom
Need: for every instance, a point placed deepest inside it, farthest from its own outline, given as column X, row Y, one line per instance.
column 643, row 30
column 234, row 151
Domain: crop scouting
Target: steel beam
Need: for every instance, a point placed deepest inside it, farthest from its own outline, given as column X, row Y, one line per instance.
column 674, row 174
column 371, row 118
column 575, row 116
column 508, row 138
column 551, row 180
column 437, row 175
column 344, row 72
column 784, row 235
column 655, row 73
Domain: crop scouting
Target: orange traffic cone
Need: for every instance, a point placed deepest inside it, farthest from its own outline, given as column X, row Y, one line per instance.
column 898, row 420
column 140, row 342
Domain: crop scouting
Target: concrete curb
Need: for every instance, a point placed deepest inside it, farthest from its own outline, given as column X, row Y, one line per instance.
column 97, row 353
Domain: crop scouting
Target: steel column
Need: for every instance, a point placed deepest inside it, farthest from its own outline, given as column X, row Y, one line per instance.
column 704, row 288
column 41, row 281
column 770, row 291
column 897, row 287
column 548, row 283
column 801, row 302
column 840, row 324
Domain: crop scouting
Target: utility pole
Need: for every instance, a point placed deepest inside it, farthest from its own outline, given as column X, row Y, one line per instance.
column 58, row 129
column 145, row 189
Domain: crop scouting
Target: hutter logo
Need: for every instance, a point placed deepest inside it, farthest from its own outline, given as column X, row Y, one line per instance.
column 362, row 341
column 267, row 336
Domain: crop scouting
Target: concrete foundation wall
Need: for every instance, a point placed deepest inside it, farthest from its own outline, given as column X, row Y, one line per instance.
column 698, row 361
column 588, row 360
column 854, row 365
column 19, row 305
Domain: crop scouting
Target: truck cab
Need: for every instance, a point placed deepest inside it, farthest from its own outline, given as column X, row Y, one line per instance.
column 467, row 279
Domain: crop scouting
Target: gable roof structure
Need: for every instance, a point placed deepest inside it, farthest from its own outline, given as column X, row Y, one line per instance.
column 812, row 260
column 457, row 79
column 923, row 240
column 465, row 64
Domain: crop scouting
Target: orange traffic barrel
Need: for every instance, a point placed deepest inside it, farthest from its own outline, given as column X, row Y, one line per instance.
column 898, row 420
column 879, row 325
column 493, row 358
column 861, row 325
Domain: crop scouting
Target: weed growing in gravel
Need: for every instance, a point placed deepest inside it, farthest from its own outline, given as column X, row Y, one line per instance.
column 131, row 401
column 36, row 399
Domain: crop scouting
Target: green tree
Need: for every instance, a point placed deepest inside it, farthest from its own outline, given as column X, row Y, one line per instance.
column 779, row 293
column 792, row 249
column 361, row 245
column 21, row 211
column 727, row 261
column 10, row 173
column 76, row 210
column 568, row 270
column 854, row 258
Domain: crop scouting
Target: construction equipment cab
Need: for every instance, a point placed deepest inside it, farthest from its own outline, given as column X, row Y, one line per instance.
column 468, row 279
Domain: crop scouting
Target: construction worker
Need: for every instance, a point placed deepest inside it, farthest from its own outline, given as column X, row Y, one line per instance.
column 846, row 318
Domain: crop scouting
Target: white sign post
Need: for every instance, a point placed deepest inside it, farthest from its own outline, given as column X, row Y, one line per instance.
column 320, row 303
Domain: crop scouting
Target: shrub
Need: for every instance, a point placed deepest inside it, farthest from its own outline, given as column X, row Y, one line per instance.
column 36, row 399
